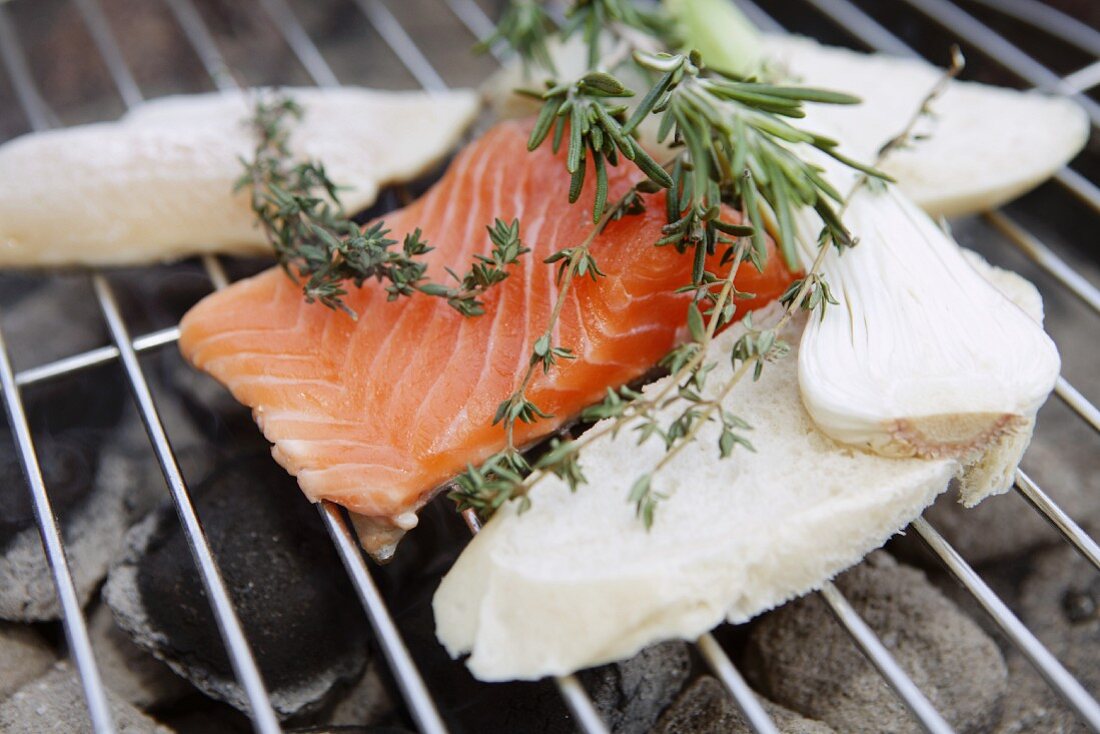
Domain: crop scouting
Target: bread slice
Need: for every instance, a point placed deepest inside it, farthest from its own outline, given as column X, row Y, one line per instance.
column 985, row 145
column 578, row 581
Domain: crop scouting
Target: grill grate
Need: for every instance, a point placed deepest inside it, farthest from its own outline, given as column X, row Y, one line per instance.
column 846, row 15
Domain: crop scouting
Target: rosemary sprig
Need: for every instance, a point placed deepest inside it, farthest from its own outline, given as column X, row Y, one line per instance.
column 298, row 207
column 736, row 145
column 595, row 131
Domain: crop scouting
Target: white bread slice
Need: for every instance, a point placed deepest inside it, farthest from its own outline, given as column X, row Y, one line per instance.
column 577, row 581
column 987, row 144
column 158, row 184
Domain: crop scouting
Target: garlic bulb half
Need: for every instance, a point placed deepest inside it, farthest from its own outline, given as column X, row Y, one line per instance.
column 922, row 356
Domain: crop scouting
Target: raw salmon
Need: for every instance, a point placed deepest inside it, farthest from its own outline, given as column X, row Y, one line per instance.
column 376, row 414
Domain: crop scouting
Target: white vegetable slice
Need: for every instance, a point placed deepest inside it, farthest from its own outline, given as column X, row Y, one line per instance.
column 922, row 356
column 158, row 183
column 577, row 580
column 987, row 144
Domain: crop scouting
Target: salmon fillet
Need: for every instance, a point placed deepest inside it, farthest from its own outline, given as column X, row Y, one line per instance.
column 377, row 413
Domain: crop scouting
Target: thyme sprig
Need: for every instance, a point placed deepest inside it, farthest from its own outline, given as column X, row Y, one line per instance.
column 486, row 271
column 735, row 146
column 298, row 207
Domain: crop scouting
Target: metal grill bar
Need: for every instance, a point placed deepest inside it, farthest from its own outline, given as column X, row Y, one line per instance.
column 402, row 45
column 863, row 26
column 1043, row 256
column 109, row 51
column 1078, row 402
column 300, row 43
column 474, row 18
column 393, row 647
column 926, row 714
column 244, row 664
column 72, row 616
column 735, row 684
column 98, row 356
column 1029, row 645
column 759, row 18
column 240, row 654
column 1058, row 518
column 996, row 47
column 1050, row 19
column 15, row 61
column 1084, row 78
column 1048, row 666
column 194, row 27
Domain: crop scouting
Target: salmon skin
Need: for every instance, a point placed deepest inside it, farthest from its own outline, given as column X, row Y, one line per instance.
column 377, row 413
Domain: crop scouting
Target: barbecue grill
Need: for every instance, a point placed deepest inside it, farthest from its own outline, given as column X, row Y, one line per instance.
column 930, row 24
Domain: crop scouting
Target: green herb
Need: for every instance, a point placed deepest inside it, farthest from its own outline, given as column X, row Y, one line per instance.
column 298, row 207
column 486, row 271
column 524, row 25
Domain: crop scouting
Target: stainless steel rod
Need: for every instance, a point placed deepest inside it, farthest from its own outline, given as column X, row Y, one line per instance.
column 919, row 705
column 34, row 107
column 300, row 43
column 1048, row 666
column 397, row 655
column 1073, row 532
column 240, row 654
column 402, row 44
column 200, row 38
column 1078, row 402
column 1084, row 78
column 1050, row 19
column 861, row 25
column 1045, row 258
column 101, row 355
column 475, row 19
column 72, row 616
column 957, row 21
column 721, row 665
column 580, row 705
column 110, row 51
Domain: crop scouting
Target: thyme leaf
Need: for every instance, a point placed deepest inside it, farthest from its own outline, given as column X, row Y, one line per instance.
column 322, row 249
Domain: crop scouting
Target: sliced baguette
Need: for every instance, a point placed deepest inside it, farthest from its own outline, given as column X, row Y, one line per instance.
column 577, row 581
column 986, row 145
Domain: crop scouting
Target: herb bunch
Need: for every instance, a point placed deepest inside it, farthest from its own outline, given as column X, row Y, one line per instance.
column 733, row 143
column 320, row 247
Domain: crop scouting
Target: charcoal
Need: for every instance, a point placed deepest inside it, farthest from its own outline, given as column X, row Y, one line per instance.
column 45, row 319
column 289, row 588
column 128, row 670
column 55, row 703
column 1059, row 600
column 368, row 701
column 91, row 447
column 802, row 658
column 24, row 656
column 631, row 695
column 706, row 708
